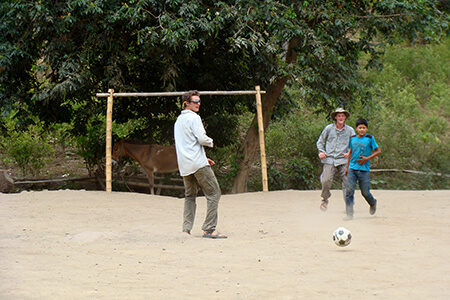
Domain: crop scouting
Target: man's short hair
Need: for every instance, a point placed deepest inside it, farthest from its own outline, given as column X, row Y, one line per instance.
column 187, row 96
column 362, row 122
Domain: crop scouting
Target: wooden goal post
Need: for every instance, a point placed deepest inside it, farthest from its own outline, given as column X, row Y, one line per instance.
column 109, row 110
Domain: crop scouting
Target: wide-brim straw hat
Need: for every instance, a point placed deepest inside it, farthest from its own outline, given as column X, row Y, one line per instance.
column 339, row 110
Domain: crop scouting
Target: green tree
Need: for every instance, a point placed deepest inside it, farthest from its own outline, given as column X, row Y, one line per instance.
column 55, row 55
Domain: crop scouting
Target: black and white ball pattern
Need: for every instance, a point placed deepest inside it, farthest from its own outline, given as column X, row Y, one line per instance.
column 342, row 237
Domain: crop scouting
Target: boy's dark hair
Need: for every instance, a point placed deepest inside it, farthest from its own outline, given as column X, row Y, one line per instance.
column 362, row 122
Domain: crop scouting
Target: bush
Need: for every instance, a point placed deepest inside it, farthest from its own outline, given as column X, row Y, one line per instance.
column 27, row 148
column 92, row 145
column 300, row 173
column 412, row 118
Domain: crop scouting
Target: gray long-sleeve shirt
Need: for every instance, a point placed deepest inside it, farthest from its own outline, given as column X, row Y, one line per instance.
column 334, row 142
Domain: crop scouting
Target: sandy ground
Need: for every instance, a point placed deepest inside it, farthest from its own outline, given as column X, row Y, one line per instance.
column 94, row 245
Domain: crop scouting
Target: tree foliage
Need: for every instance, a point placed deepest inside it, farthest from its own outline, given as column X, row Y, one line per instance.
column 55, row 55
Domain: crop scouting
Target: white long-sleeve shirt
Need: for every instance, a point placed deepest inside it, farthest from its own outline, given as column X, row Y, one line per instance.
column 190, row 137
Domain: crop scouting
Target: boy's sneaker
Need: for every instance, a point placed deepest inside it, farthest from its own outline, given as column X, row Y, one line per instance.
column 373, row 209
column 348, row 218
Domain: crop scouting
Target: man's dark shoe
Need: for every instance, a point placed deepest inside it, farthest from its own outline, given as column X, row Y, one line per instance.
column 373, row 209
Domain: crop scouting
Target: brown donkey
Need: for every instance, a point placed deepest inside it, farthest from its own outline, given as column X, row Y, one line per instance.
column 152, row 158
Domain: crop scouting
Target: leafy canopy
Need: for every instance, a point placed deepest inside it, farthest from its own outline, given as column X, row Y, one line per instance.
column 55, row 55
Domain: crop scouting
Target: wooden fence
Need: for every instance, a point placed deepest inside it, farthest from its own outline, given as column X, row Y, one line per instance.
column 128, row 181
column 141, row 181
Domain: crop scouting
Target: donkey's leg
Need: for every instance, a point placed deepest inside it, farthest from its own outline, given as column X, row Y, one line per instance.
column 151, row 181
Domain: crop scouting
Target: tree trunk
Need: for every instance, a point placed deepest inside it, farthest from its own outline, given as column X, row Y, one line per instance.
column 250, row 147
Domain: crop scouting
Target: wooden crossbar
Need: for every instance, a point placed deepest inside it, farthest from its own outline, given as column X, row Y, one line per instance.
column 174, row 94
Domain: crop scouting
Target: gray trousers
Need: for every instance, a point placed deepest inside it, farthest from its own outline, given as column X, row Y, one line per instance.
column 327, row 179
column 206, row 179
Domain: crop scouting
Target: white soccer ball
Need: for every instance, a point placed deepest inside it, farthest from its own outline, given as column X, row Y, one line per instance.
column 342, row 237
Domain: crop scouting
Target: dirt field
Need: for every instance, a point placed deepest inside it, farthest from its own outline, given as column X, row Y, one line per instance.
column 93, row 245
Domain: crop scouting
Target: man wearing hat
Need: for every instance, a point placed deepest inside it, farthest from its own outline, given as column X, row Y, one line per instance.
column 333, row 152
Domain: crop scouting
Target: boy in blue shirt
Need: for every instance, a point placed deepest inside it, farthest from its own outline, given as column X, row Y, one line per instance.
column 358, row 167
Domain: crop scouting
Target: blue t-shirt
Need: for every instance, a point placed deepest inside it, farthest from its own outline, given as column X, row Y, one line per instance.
column 361, row 146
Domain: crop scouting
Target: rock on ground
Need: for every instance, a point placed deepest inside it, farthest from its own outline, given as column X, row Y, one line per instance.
column 6, row 182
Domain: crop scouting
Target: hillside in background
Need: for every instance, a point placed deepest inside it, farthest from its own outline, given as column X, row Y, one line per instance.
column 410, row 118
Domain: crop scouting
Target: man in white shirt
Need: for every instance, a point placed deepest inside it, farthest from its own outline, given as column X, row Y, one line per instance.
column 195, row 167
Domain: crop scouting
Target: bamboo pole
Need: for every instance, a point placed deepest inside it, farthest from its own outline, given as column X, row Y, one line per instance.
column 262, row 146
column 108, row 172
column 171, row 94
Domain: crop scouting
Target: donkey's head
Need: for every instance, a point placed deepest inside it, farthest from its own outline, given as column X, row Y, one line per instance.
column 117, row 151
